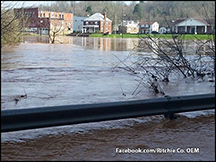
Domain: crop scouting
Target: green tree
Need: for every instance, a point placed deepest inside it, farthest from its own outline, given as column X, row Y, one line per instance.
column 137, row 11
column 89, row 10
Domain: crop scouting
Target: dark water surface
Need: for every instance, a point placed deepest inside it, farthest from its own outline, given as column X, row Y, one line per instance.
column 84, row 70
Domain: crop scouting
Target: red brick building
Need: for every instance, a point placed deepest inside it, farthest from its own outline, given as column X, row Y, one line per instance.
column 43, row 22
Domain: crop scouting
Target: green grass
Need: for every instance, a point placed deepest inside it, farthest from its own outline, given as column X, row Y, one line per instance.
column 30, row 34
column 167, row 36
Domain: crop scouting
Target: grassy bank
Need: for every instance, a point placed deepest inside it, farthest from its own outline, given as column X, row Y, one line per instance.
column 167, row 36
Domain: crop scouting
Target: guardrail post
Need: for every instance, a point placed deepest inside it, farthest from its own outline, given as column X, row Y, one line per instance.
column 170, row 116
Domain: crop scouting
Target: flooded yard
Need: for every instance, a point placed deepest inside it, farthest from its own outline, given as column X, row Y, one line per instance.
column 86, row 70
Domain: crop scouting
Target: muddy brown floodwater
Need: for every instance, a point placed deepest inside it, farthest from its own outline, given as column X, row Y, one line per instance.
column 184, row 139
column 83, row 70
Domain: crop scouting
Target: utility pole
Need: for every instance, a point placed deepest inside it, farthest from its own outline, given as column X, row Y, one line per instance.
column 122, row 27
column 115, row 25
column 74, row 7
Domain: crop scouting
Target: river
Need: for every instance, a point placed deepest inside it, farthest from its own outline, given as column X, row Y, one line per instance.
column 86, row 70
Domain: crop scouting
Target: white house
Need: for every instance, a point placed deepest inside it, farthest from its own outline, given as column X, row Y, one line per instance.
column 193, row 25
column 164, row 30
column 148, row 27
column 129, row 26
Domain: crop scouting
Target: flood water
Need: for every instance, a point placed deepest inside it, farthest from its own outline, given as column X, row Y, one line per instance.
column 81, row 70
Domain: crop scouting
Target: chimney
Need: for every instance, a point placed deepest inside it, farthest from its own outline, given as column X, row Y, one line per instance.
column 104, row 26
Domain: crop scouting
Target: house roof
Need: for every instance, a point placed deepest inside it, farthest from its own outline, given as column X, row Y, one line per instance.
column 177, row 21
column 130, row 23
column 147, row 23
column 96, row 17
column 205, row 21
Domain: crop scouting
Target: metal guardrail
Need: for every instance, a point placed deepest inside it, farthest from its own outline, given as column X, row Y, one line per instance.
column 14, row 120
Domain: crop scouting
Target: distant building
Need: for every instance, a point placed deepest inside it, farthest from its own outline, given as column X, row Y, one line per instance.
column 148, row 27
column 78, row 23
column 164, row 30
column 42, row 22
column 193, row 26
column 97, row 23
column 129, row 26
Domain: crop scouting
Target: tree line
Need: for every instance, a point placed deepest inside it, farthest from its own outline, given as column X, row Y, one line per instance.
column 163, row 12
column 160, row 11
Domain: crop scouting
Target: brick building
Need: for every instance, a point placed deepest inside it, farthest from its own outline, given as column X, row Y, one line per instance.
column 43, row 22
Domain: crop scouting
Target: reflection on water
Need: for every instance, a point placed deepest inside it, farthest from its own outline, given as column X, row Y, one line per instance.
column 109, row 44
column 45, row 39
column 115, row 44
column 103, row 44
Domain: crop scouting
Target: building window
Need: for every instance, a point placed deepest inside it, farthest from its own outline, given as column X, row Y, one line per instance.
column 96, row 22
column 44, row 15
column 87, row 23
column 203, row 29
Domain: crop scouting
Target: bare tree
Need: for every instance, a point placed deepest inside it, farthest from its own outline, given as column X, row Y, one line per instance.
column 56, row 28
column 11, row 29
column 168, row 59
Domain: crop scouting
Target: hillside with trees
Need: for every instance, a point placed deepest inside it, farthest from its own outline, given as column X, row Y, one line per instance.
column 160, row 11
column 164, row 12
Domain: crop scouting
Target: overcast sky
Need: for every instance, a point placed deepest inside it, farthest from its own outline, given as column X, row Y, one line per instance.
column 36, row 3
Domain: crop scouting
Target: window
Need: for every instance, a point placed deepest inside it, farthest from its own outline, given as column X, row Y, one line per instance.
column 183, row 29
column 44, row 15
column 96, row 22
column 203, row 29
column 86, row 22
